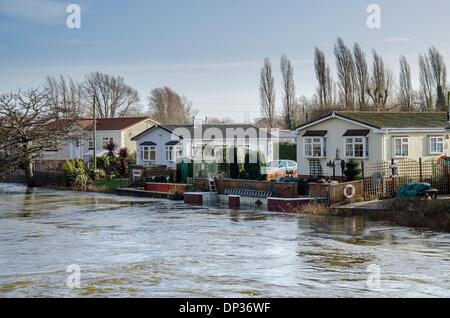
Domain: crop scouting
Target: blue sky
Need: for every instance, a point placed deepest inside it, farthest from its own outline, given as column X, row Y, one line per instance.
column 209, row 50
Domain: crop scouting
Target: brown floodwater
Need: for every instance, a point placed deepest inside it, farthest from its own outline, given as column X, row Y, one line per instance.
column 128, row 247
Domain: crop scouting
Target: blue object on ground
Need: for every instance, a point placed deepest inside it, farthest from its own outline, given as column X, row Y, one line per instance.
column 413, row 190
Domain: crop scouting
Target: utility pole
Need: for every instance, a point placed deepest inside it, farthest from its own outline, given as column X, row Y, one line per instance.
column 94, row 131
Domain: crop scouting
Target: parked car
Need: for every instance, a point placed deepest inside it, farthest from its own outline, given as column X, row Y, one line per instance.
column 280, row 169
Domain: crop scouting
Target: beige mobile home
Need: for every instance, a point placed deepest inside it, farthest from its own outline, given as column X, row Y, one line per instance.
column 369, row 136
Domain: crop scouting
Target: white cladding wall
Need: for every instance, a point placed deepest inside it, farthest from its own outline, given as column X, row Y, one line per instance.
column 381, row 144
column 336, row 129
column 160, row 137
column 419, row 144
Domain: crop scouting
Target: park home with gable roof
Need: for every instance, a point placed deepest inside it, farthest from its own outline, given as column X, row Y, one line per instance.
column 369, row 136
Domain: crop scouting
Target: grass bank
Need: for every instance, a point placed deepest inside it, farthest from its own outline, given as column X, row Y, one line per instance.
column 109, row 185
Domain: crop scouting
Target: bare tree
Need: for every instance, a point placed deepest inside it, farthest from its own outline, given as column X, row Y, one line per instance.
column 65, row 95
column 115, row 98
column 406, row 91
column 361, row 75
column 325, row 82
column 380, row 86
column 439, row 71
column 30, row 124
column 287, row 72
column 346, row 73
column 167, row 106
column 426, row 83
column 267, row 93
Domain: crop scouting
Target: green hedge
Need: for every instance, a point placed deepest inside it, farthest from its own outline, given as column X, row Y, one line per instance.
column 288, row 151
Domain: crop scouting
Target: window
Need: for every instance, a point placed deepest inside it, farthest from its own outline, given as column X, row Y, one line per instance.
column 173, row 153
column 401, row 147
column 91, row 143
column 315, row 147
column 106, row 140
column 148, row 153
column 436, row 145
column 356, row 147
column 170, row 156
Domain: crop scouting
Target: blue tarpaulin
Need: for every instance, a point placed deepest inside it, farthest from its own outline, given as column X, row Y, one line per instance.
column 413, row 190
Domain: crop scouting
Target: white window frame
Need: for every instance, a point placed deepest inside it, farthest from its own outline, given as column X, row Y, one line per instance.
column 353, row 143
column 442, row 142
column 148, row 150
column 174, row 151
column 313, row 143
column 91, row 143
column 402, row 144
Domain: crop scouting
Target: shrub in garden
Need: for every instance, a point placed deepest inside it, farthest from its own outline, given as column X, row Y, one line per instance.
column 75, row 175
column 253, row 169
column 234, row 165
column 123, row 160
column 82, row 182
column 352, row 170
column 287, row 151
column 111, row 147
column 97, row 174
column 68, row 169
column 102, row 162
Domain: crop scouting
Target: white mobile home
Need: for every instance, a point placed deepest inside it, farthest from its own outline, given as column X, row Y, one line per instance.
column 369, row 136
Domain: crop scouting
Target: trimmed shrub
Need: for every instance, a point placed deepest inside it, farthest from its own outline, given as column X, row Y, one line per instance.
column 352, row 170
column 287, row 151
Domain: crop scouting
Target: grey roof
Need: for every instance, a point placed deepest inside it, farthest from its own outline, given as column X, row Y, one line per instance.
column 392, row 119
column 222, row 127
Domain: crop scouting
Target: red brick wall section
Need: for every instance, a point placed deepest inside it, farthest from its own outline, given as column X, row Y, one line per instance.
column 165, row 187
column 202, row 183
column 282, row 189
column 193, row 198
column 234, row 201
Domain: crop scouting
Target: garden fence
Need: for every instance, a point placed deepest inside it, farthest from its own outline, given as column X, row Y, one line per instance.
column 383, row 179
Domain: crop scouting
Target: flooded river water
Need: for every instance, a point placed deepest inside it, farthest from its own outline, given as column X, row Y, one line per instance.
column 128, row 247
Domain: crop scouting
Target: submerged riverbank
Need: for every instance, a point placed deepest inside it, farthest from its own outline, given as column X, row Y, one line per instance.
column 133, row 247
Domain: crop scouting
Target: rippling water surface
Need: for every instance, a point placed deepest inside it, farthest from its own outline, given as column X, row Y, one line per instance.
column 128, row 247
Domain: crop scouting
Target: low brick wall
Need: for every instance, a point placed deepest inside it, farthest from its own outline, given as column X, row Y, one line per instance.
column 281, row 189
column 165, row 187
column 202, row 183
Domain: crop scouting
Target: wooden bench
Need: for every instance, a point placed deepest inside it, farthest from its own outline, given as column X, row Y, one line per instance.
column 431, row 194
column 248, row 193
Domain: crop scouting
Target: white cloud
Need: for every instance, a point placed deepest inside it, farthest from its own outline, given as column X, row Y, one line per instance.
column 42, row 11
column 397, row 40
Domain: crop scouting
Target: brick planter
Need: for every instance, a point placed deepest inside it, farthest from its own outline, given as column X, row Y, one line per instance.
column 193, row 198
column 234, row 201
